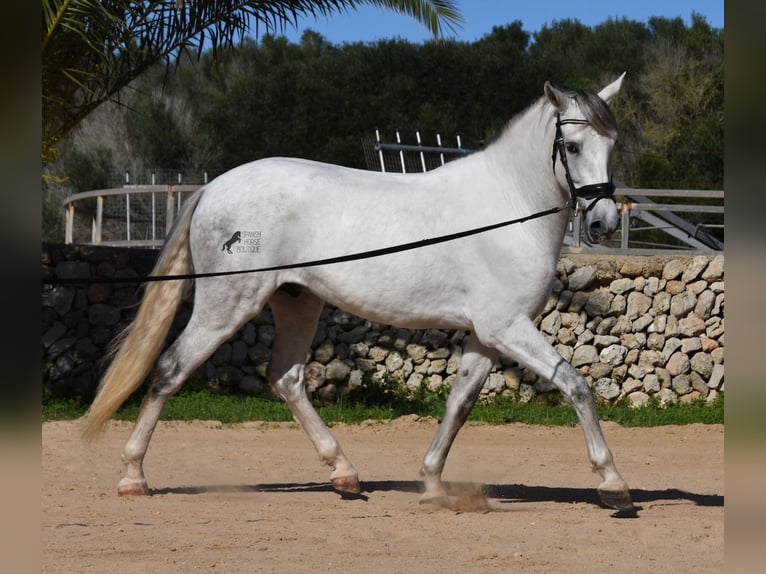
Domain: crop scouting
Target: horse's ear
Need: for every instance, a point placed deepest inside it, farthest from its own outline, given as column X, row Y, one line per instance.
column 612, row 89
column 556, row 97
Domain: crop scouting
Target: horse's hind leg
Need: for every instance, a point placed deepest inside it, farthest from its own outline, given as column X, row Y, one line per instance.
column 472, row 371
column 212, row 322
column 295, row 319
column 528, row 346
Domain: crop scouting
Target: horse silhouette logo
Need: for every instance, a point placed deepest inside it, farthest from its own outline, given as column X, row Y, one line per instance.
column 236, row 238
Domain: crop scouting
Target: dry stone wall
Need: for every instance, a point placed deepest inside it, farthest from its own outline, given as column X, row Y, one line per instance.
column 637, row 328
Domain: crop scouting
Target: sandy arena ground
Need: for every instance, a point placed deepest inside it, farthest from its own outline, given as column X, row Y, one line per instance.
column 254, row 498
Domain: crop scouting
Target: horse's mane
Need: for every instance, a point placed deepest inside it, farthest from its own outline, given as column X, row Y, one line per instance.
column 595, row 110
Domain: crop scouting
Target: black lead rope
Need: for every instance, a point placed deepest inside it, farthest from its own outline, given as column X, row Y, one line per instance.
column 315, row 263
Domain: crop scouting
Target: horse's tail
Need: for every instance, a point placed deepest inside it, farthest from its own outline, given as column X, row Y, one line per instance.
column 137, row 347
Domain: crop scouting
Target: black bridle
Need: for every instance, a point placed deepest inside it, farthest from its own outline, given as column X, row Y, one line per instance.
column 597, row 191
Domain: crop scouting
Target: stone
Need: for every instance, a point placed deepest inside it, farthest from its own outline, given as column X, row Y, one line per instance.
column 682, row 303
column 104, row 315
column 649, row 359
column 606, row 388
column 693, row 269
column 637, row 399
column 666, row 397
column 337, row 370
column 661, row 302
column 417, row 352
column 581, row 278
column 613, row 354
column 638, row 304
column 652, row 286
column 600, row 370
column 324, row 352
column 551, row 323
column 605, row 340
column 605, row 325
column 394, row 362
column 714, row 271
column 598, row 303
column 584, row 355
column 618, row 305
column 651, row 383
column 622, row 326
column 414, row 381
column 702, row 363
column 682, row 384
column 512, row 378
column 238, row 353
column 675, row 287
column 671, row 346
column 708, row 344
column 619, row 286
column 643, row 322
column 566, row 336
column 704, row 306
column 691, row 345
column 437, row 366
column 673, row 269
column 691, row 326
column 251, row 384
column 678, row 364
column 495, row 383
column 53, row 334
column 716, row 377
column 698, row 384
column 630, row 384
column 697, row 287
column 579, row 299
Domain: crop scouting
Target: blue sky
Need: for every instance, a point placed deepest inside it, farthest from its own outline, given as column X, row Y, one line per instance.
column 368, row 24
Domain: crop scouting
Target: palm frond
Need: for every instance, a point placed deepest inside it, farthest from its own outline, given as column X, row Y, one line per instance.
column 91, row 49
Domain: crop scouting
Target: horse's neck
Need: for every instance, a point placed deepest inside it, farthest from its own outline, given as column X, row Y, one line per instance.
column 522, row 157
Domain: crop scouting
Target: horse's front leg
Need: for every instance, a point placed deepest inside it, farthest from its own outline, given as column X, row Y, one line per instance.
column 475, row 364
column 523, row 342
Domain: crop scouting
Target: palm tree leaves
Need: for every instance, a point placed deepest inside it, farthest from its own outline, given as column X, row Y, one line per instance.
column 93, row 48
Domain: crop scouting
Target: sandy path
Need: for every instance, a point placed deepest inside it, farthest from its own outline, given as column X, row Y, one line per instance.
column 254, row 498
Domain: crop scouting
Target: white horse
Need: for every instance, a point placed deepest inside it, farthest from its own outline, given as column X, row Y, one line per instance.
column 555, row 154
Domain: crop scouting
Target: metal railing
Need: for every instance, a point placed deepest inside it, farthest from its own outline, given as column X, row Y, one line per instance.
column 640, row 215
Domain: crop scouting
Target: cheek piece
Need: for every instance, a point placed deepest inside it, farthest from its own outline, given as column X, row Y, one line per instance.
column 595, row 191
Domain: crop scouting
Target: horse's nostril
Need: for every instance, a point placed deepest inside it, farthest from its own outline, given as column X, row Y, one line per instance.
column 596, row 229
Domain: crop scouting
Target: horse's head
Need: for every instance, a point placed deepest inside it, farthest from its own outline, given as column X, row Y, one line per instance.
column 586, row 133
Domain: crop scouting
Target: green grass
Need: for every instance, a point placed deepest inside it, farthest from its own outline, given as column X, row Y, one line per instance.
column 203, row 403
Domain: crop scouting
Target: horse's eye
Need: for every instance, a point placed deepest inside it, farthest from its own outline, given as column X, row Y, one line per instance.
column 572, row 148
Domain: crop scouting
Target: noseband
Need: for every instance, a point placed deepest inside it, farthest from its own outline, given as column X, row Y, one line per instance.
column 597, row 191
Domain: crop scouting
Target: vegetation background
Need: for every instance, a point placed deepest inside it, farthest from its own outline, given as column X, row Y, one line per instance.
column 318, row 100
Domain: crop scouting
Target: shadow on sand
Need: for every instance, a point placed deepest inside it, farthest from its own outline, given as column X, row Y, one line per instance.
column 471, row 497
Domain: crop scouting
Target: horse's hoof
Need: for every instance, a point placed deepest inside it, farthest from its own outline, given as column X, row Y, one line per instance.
column 133, row 488
column 616, row 497
column 348, row 484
